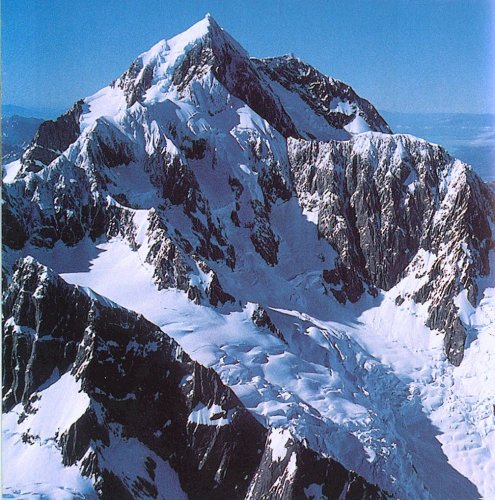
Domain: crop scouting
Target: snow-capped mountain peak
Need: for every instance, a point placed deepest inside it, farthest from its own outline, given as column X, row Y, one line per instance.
column 168, row 53
column 265, row 217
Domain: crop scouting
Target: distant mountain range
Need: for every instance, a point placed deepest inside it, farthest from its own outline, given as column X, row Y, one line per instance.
column 468, row 136
column 44, row 113
column 17, row 133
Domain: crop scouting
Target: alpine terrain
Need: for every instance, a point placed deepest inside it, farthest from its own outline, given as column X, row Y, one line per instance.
column 17, row 133
column 225, row 277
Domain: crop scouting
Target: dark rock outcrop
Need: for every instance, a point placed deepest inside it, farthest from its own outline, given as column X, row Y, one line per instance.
column 301, row 473
column 46, row 319
column 143, row 388
column 318, row 91
column 382, row 200
column 237, row 73
column 262, row 319
column 52, row 139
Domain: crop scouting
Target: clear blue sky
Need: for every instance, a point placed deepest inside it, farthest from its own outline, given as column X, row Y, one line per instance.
column 403, row 55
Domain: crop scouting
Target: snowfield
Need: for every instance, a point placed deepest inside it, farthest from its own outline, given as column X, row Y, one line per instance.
column 367, row 384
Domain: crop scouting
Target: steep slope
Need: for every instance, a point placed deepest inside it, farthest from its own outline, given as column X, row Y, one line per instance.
column 189, row 190
column 389, row 202
column 194, row 437
column 330, row 99
column 156, row 128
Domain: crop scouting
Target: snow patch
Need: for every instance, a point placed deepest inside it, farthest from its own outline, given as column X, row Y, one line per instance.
column 214, row 415
column 277, row 442
column 31, row 461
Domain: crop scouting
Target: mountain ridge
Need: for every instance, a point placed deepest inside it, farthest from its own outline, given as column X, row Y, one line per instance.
column 95, row 333
column 265, row 256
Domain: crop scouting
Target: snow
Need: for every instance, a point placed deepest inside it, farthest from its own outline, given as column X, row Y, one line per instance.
column 278, row 440
column 165, row 56
column 367, row 384
column 126, row 458
column 311, row 215
column 292, row 465
column 357, row 126
column 202, row 415
column 458, row 401
column 10, row 170
column 34, row 470
column 53, row 414
column 397, row 366
column 314, row 492
column 307, row 122
column 107, row 102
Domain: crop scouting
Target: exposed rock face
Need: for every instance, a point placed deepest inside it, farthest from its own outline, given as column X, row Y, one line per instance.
column 380, row 199
column 52, row 139
column 203, row 175
column 38, row 341
column 170, row 268
column 65, row 204
column 296, row 472
column 261, row 318
column 254, row 82
column 325, row 95
column 264, row 240
column 81, row 189
column 237, row 73
column 126, row 364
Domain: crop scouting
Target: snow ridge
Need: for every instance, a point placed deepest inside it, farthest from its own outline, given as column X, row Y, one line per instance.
column 263, row 215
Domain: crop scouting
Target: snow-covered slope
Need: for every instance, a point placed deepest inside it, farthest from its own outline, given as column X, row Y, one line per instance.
column 133, row 413
column 396, row 206
column 264, row 217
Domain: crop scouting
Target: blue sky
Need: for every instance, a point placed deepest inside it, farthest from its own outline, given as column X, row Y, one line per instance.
column 403, row 55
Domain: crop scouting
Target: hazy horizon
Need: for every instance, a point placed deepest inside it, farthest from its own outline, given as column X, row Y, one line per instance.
column 403, row 56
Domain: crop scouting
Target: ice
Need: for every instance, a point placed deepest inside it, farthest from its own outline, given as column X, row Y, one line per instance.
column 311, row 215
column 367, row 384
column 293, row 385
column 281, row 387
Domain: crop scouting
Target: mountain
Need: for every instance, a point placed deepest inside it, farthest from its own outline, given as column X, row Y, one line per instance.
column 17, row 134
column 9, row 110
column 195, row 438
column 337, row 278
column 470, row 136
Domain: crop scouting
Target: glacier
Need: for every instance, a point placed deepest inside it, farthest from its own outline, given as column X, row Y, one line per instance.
column 248, row 208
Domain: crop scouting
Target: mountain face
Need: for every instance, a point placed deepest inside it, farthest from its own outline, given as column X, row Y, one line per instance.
column 194, row 430
column 468, row 136
column 324, row 276
column 384, row 203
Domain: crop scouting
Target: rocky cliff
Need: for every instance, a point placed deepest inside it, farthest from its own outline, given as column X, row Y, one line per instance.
column 265, row 215
column 141, row 387
column 385, row 201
